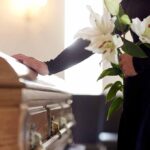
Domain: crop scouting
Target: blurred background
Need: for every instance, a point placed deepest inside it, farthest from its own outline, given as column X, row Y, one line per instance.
column 42, row 29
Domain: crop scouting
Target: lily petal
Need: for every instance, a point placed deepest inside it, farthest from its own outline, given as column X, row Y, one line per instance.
column 142, row 29
column 137, row 26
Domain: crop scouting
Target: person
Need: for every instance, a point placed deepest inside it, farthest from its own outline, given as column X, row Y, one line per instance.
column 134, row 130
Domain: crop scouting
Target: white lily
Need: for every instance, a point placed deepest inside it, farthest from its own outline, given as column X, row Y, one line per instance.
column 142, row 29
column 100, row 35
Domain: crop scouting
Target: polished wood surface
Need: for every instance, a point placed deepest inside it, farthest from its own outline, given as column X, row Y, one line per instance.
column 35, row 111
column 38, row 121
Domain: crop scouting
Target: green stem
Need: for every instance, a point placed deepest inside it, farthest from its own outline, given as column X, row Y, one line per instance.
column 119, row 53
column 138, row 43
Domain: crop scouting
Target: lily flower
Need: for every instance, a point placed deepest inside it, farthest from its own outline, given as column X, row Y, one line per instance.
column 100, row 36
column 142, row 29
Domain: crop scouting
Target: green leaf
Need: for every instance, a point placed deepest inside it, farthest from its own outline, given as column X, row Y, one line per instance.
column 108, row 86
column 132, row 49
column 109, row 72
column 125, row 20
column 115, row 105
column 112, row 6
column 115, row 65
column 117, row 86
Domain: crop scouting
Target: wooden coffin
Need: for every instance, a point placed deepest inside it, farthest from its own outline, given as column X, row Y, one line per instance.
column 35, row 111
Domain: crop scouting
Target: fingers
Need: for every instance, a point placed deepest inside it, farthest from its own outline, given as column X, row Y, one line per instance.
column 33, row 63
column 28, row 61
column 126, row 65
column 20, row 57
column 122, row 62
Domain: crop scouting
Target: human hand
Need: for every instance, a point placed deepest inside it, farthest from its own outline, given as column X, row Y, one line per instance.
column 126, row 64
column 38, row 66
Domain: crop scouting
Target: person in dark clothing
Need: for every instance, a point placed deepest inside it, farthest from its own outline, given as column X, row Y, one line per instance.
column 134, row 130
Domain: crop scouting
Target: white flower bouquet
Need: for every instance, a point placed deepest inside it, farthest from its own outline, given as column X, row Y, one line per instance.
column 105, row 40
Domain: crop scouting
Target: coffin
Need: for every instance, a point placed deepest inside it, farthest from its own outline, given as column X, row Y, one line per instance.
column 35, row 111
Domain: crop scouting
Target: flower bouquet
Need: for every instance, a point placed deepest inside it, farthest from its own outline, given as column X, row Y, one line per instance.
column 107, row 37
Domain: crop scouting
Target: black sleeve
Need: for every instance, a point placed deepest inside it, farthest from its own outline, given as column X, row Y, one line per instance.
column 142, row 64
column 70, row 56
